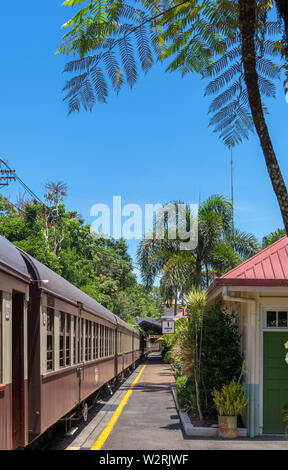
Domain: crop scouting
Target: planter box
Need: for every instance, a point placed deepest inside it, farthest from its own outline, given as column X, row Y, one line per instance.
column 191, row 430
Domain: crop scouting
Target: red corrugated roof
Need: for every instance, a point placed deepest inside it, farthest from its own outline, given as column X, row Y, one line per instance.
column 270, row 263
column 269, row 267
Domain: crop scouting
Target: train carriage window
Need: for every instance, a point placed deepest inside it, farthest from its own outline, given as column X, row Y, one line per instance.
column 82, row 340
column 98, row 342
column 62, row 340
column 120, row 342
column 73, row 322
column 86, row 340
column 67, row 340
column 101, row 340
column 89, row 340
column 105, row 342
column 94, row 340
column 50, row 333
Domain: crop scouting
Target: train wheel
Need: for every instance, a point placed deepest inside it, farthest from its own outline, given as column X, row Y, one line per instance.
column 85, row 412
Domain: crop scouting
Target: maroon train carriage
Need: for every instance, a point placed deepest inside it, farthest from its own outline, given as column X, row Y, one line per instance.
column 57, row 347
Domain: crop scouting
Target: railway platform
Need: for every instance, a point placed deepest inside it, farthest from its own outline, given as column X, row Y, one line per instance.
column 142, row 415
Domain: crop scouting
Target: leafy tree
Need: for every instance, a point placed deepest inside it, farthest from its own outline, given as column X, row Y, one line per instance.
column 273, row 237
column 59, row 239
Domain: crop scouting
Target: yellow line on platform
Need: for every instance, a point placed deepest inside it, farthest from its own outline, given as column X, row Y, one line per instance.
column 107, row 430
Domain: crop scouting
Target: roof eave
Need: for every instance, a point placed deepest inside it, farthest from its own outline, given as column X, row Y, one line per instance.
column 223, row 282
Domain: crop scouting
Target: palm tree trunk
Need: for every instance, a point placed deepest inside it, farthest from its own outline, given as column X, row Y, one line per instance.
column 196, row 374
column 198, row 274
column 176, row 302
column 207, row 275
column 247, row 19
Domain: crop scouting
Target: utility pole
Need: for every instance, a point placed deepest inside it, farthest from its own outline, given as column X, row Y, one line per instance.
column 6, row 174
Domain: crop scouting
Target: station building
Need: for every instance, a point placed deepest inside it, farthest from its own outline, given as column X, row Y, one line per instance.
column 257, row 292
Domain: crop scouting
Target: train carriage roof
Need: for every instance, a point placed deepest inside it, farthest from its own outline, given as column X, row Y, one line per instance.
column 122, row 323
column 59, row 287
column 11, row 261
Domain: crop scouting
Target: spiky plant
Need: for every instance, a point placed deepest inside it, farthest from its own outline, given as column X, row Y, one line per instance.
column 184, row 349
column 196, row 302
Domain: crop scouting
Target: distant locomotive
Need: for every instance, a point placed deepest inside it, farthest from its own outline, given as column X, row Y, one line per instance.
column 57, row 347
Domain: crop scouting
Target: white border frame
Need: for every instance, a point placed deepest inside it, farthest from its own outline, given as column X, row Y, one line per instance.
column 263, row 329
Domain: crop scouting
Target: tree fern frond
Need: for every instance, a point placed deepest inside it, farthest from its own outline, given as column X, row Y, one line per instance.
column 144, row 50
column 99, row 83
column 267, row 88
column 81, row 64
column 267, row 67
column 113, row 70
column 224, row 97
column 128, row 61
column 215, row 85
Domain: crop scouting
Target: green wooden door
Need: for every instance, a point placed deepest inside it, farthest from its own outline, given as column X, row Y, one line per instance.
column 275, row 381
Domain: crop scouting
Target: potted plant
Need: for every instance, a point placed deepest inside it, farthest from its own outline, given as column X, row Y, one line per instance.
column 229, row 401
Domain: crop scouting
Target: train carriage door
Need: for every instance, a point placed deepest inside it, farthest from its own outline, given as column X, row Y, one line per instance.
column 18, row 402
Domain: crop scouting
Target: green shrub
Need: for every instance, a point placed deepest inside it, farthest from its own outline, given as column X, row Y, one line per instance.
column 168, row 356
column 185, row 392
column 221, row 360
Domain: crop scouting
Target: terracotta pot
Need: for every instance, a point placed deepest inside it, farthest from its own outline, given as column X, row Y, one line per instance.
column 227, row 427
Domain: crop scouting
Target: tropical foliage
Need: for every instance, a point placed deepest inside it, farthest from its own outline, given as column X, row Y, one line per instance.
column 196, row 302
column 238, row 44
column 185, row 393
column 220, row 247
column 60, row 239
column 273, row 237
column 221, row 360
column 230, row 400
column 202, row 37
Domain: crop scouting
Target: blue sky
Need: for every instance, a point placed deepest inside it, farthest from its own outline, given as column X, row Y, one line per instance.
column 149, row 145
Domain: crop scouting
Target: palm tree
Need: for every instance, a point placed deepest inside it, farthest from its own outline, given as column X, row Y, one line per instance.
column 218, row 248
column 177, row 275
